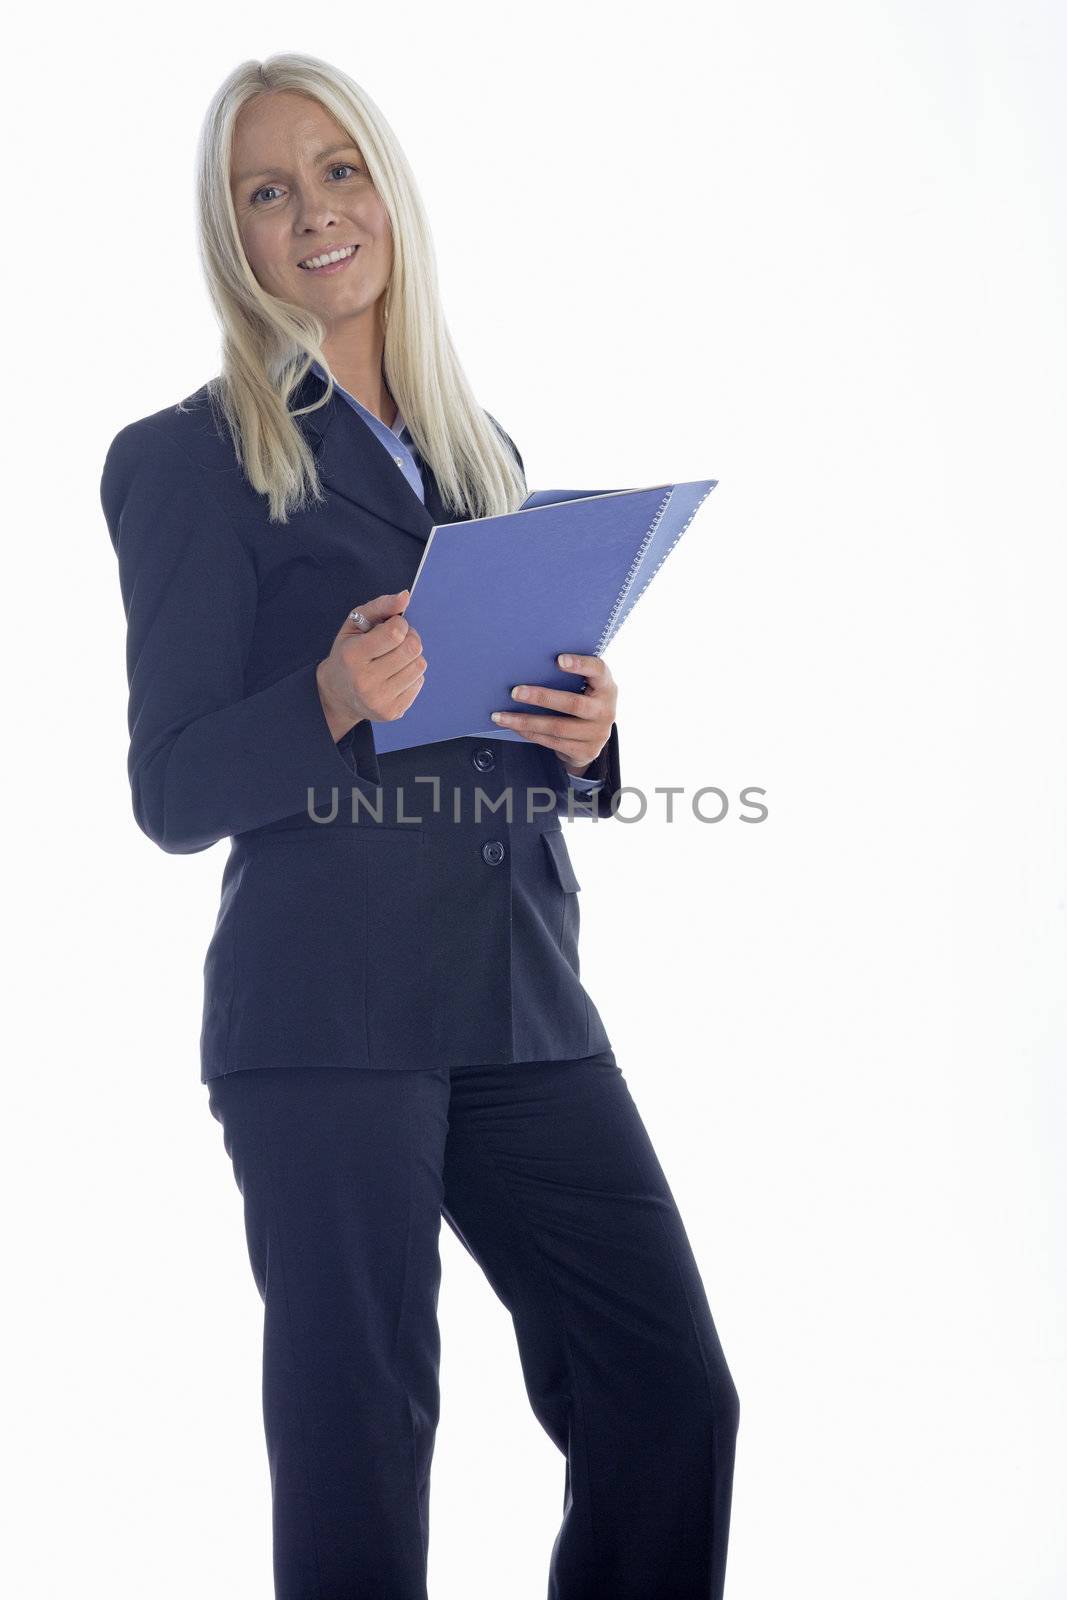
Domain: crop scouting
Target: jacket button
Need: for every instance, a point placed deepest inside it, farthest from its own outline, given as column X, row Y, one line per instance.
column 483, row 759
column 493, row 852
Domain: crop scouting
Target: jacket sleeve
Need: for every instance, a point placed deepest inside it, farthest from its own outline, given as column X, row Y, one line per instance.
column 206, row 760
column 586, row 785
column 595, row 802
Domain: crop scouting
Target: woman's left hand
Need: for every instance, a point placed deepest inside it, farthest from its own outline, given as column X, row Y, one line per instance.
column 579, row 737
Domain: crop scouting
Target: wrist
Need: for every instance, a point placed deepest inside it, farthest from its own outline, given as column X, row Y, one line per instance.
column 338, row 720
column 577, row 771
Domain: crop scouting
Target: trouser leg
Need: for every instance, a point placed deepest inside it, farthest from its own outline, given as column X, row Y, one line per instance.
column 552, row 1184
column 340, row 1171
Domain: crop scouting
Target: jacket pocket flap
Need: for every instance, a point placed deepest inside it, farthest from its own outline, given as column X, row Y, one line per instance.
column 556, row 846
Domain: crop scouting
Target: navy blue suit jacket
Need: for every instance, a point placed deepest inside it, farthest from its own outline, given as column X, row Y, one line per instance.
column 449, row 939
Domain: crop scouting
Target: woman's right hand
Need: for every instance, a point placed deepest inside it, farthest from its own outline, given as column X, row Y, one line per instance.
column 375, row 673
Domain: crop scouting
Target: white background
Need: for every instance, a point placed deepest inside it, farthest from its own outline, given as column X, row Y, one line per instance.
column 816, row 252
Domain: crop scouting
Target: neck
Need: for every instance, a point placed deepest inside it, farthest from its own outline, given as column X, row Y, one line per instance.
column 354, row 355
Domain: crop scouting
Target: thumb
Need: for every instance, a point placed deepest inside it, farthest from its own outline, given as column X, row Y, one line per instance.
column 377, row 610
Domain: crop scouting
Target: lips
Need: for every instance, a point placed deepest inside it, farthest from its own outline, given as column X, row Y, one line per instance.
column 330, row 266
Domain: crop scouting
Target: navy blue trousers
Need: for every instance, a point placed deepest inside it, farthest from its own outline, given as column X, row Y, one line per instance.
column 545, row 1173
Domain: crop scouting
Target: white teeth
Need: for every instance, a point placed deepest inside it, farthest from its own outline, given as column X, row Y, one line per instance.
column 324, row 261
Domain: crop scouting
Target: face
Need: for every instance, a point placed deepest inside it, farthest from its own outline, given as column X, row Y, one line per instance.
column 300, row 190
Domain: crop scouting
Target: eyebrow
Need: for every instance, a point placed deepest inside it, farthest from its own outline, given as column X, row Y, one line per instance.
column 323, row 155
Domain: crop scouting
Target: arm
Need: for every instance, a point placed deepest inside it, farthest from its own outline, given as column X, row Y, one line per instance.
column 605, row 771
column 583, row 784
column 206, row 760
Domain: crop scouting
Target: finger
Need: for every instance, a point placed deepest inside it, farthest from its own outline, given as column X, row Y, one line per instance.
column 374, row 611
column 549, row 727
column 591, row 667
column 405, row 690
column 574, row 702
column 403, row 661
column 573, row 750
column 396, row 638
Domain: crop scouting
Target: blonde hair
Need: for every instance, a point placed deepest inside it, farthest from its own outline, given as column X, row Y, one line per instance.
column 268, row 344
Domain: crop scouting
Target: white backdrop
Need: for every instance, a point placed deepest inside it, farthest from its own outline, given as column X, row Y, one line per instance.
column 818, row 253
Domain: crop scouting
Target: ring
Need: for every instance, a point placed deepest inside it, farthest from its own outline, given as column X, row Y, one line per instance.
column 360, row 620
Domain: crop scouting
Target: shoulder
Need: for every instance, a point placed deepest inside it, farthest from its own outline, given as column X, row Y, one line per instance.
column 179, row 456
column 165, row 444
column 193, row 426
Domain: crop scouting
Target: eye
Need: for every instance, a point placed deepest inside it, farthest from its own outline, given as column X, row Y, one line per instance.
column 343, row 166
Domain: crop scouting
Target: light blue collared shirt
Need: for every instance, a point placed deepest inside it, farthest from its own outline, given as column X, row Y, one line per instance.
column 398, row 441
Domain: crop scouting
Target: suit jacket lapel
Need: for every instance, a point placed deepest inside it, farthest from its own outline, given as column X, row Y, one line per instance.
column 357, row 466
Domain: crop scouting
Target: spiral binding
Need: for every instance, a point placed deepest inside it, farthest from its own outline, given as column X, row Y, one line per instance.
column 609, row 630
column 632, row 574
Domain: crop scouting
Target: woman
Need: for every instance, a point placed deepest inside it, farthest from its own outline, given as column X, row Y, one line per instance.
column 394, row 1025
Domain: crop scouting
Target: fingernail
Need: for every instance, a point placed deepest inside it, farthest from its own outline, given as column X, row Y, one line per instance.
column 498, row 716
column 566, row 661
column 519, row 692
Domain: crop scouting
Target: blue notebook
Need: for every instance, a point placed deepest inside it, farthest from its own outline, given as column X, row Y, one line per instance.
column 496, row 599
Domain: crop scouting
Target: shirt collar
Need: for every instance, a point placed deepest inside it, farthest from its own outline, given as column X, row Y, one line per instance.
column 399, row 427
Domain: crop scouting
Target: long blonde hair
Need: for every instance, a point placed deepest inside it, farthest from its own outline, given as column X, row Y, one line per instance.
column 268, row 344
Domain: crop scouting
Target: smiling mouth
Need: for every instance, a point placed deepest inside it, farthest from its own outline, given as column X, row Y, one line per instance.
column 329, row 260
